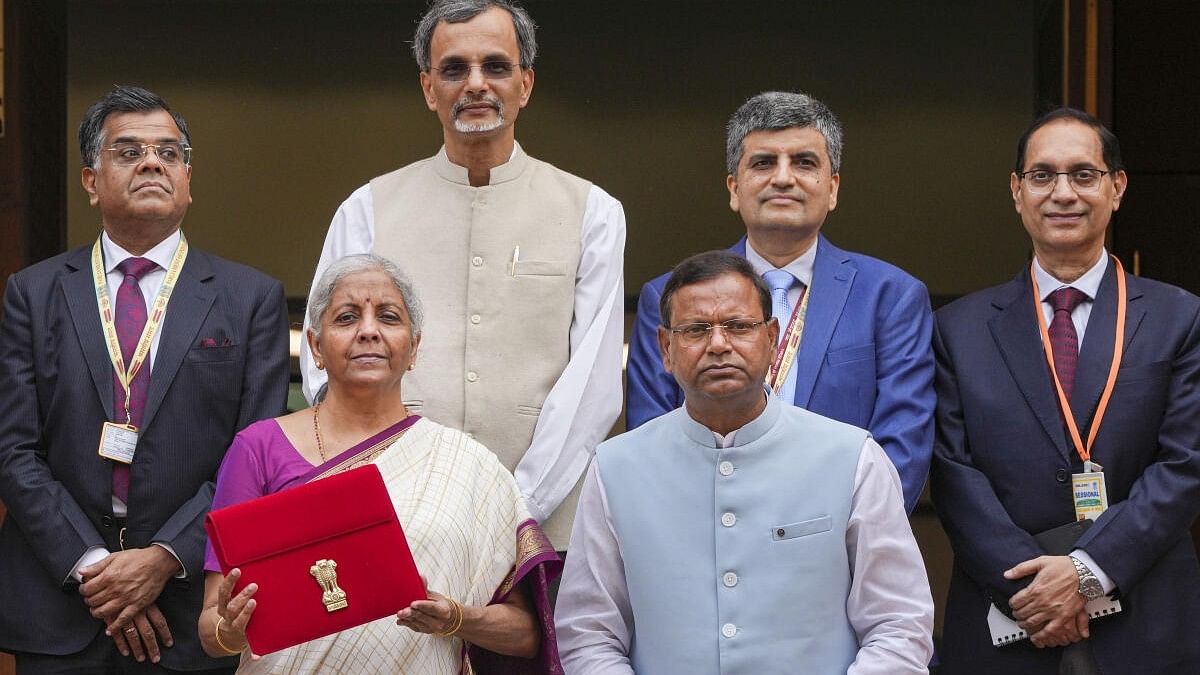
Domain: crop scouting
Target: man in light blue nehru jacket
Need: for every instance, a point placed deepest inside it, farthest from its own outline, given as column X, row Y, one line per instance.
column 739, row 534
column 854, row 331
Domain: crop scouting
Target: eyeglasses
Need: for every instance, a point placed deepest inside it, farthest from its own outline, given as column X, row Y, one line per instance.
column 699, row 333
column 491, row 70
column 169, row 154
column 1042, row 181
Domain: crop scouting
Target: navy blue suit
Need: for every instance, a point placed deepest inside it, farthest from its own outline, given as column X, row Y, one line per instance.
column 1002, row 465
column 865, row 357
column 221, row 364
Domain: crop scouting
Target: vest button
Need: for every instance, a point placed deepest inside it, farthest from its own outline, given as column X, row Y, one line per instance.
column 730, row 580
column 477, row 261
column 472, row 376
column 726, row 468
column 107, row 521
column 728, row 519
column 475, row 318
column 729, row 630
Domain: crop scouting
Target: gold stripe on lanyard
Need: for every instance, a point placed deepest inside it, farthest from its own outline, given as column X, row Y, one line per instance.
column 785, row 354
column 1085, row 451
column 153, row 320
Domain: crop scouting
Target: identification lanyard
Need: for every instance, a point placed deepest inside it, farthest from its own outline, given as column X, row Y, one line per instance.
column 785, row 354
column 125, row 374
column 1085, row 451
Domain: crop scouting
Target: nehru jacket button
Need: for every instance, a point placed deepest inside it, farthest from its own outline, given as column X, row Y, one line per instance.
column 726, row 468
column 779, row 533
column 475, row 318
column 730, row 580
column 729, row 630
column 472, row 376
column 106, row 521
column 1060, row 475
column 476, row 261
column 728, row 519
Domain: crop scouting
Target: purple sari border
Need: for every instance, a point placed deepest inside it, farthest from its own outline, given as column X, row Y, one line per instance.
column 538, row 564
column 351, row 455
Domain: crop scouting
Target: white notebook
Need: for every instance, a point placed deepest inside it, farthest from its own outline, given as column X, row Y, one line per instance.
column 1006, row 631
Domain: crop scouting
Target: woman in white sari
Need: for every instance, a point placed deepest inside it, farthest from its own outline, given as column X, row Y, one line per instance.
column 462, row 513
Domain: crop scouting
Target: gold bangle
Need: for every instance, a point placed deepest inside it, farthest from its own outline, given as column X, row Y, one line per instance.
column 458, row 610
column 217, row 635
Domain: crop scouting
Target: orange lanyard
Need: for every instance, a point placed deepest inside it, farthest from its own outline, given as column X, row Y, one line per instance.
column 1085, row 451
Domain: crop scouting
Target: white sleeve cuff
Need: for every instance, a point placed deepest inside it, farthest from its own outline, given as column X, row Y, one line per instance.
column 182, row 573
column 90, row 557
column 1105, row 582
column 534, row 509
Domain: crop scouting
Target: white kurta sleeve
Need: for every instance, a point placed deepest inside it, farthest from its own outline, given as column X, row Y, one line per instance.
column 593, row 617
column 351, row 231
column 580, row 409
column 889, row 606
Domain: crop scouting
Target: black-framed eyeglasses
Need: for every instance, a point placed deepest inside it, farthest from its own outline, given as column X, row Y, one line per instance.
column 1042, row 181
column 699, row 333
column 129, row 153
column 491, row 70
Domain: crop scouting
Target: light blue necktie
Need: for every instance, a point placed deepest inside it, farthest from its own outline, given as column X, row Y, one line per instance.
column 780, row 282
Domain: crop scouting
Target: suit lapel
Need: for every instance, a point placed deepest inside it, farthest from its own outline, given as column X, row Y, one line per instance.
column 189, row 306
column 833, row 275
column 1015, row 330
column 80, row 293
column 1095, row 353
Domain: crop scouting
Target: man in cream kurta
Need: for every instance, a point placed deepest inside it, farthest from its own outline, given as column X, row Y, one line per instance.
column 739, row 534
column 519, row 263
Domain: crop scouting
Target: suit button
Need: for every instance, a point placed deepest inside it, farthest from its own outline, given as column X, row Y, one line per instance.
column 726, row 468
column 728, row 519
column 1060, row 475
column 729, row 630
column 106, row 521
column 472, row 376
column 476, row 261
column 730, row 580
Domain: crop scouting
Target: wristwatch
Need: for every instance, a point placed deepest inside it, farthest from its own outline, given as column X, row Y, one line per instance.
column 1089, row 586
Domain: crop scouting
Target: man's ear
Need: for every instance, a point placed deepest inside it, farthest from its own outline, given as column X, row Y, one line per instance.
column 664, row 348
column 88, row 178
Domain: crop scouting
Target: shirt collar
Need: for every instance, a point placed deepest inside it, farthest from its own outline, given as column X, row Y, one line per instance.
column 1089, row 282
column 748, row 433
column 161, row 254
column 801, row 267
column 500, row 174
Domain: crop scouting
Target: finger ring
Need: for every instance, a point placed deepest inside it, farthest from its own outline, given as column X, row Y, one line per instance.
column 130, row 629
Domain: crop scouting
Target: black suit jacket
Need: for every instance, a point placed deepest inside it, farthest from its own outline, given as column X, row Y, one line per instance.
column 1002, row 466
column 222, row 363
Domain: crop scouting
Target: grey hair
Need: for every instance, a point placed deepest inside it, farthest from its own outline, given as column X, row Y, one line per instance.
column 775, row 110
column 353, row 264
column 460, row 11
column 122, row 99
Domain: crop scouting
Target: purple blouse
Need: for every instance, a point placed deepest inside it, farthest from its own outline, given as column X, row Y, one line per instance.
column 260, row 461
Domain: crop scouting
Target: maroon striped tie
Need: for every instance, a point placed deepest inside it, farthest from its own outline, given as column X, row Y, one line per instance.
column 1064, row 341
column 130, row 319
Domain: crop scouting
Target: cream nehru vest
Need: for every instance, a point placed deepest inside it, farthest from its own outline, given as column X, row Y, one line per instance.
column 497, row 322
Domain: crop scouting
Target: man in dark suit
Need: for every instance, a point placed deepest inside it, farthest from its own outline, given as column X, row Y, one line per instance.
column 863, row 326
column 126, row 367
column 1027, row 401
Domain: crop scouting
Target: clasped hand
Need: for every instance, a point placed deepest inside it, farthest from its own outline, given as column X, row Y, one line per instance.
column 120, row 590
column 1050, row 608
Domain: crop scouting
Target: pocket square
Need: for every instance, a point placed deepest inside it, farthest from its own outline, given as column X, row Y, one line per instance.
column 207, row 342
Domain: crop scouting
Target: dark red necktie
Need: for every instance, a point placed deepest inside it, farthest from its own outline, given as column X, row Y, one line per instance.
column 130, row 319
column 1064, row 341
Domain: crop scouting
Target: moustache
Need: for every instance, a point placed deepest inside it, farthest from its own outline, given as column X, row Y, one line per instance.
column 492, row 101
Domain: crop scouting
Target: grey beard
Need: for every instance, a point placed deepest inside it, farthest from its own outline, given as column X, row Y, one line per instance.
column 482, row 127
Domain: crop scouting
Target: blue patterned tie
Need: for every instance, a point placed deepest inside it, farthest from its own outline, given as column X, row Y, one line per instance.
column 781, row 282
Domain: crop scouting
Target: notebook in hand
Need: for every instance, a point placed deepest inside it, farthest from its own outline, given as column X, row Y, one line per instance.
column 1056, row 541
column 327, row 556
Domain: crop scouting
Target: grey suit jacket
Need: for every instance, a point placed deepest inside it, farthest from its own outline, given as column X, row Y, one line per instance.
column 222, row 363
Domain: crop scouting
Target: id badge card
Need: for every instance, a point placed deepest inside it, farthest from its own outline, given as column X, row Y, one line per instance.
column 118, row 442
column 1089, row 493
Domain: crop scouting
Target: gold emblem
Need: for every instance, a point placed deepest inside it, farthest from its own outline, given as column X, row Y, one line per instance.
column 325, row 572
